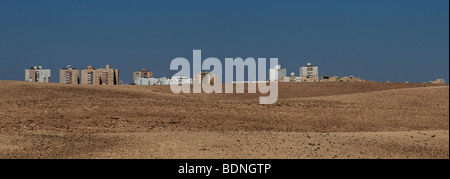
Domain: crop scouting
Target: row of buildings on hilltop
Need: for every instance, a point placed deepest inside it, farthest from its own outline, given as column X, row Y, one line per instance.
column 69, row 75
column 309, row 73
column 145, row 77
column 110, row 76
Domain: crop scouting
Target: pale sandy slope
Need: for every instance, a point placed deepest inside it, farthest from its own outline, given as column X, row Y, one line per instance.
column 226, row 145
column 378, row 108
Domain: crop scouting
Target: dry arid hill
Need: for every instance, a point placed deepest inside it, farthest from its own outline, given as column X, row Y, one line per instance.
column 310, row 120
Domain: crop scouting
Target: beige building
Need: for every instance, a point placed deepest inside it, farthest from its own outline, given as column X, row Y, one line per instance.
column 103, row 76
column 144, row 73
column 69, row 75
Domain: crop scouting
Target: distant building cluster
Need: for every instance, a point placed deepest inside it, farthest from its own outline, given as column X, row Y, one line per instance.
column 110, row 76
column 163, row 81
column 343, row 79
column 144, row 77
column 438, row 81
column 309, row 73
column 69, row 75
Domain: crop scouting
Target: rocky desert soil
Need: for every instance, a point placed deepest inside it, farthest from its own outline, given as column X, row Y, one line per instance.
column 310, row 120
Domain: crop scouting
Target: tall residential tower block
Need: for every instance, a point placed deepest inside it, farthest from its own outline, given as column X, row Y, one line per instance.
column 69, row 75
column 106, row 76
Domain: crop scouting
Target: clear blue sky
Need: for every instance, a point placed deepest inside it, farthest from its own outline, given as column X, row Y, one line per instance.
column 397, row 40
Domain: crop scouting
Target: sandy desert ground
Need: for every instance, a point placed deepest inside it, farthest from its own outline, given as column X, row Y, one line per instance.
column 310, row 120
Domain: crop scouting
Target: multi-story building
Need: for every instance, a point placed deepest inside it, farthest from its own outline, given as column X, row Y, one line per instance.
column 144, row 73
column 309, row 73
column 69, row 75
column 103, row 76
column 37, row 74
column 90, row 76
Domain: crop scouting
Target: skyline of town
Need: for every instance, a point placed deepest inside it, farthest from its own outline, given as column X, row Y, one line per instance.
column 276, row 73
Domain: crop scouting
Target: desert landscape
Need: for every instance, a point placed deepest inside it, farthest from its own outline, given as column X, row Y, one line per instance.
column 310, row 120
